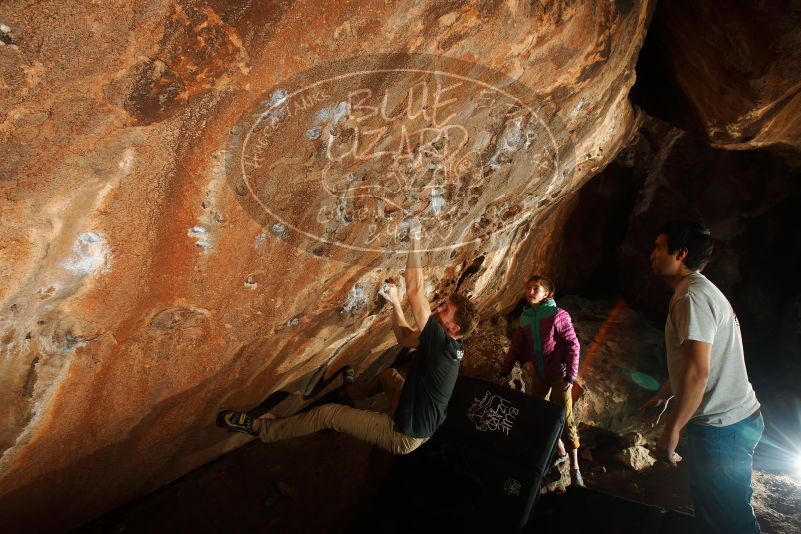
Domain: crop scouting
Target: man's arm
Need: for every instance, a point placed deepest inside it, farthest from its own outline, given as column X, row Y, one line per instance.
column 665, row 391
column 405, row 334
column 413, row 276
column 651, row 412
column 689, row 392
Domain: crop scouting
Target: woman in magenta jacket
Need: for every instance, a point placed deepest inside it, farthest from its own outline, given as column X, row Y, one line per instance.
column 546, row 338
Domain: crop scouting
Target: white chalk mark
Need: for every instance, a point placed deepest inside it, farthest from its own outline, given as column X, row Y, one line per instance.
column 357, row 297
column 92, row 255
column 202, row 238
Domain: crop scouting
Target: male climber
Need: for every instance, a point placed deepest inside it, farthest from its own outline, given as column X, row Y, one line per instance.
column 417, row 405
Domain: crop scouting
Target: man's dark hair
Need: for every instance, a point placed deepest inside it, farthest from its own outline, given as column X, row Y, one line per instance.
column 544, row 281
column 466, row 315
column 695, row 238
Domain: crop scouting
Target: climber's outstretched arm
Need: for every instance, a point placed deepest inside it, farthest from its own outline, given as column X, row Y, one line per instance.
column 413, row 276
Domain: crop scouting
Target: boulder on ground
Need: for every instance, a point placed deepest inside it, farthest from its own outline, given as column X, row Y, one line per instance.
column 637, row 457
column 632, row 439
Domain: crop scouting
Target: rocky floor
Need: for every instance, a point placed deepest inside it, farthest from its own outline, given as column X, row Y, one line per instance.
column 322, row 483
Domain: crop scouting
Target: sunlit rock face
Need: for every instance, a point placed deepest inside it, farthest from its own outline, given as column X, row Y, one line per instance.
column 154, row 270
column 729, row 70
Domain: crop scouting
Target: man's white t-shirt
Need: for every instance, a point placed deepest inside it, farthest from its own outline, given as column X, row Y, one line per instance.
column 700, row 312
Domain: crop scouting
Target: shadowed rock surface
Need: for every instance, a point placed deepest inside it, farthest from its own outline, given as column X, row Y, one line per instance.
column 728, row 70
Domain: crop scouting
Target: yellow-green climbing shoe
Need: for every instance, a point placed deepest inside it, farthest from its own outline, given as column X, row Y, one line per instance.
column 236, row 422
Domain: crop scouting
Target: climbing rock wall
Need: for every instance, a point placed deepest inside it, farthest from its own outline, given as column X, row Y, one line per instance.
column 163, row 254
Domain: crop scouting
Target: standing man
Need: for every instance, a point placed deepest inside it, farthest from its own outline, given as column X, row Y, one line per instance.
column 708, row 381
column 418, row 404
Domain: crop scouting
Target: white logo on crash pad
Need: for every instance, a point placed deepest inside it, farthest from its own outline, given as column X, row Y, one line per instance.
column 492, row 413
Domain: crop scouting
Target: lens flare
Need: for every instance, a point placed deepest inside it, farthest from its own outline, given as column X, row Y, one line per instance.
column 779, row 450
column 595, row 347
column 645, row 381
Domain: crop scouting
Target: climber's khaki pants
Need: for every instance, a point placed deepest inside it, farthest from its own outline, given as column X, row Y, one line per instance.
column 376, row 428
column 551, row 390
column 389, row 381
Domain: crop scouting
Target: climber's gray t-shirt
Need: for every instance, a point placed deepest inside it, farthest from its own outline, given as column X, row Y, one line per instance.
column 700, row 312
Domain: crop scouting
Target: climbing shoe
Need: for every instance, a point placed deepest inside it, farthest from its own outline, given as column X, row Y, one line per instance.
column 236, row 422
column 576, row 479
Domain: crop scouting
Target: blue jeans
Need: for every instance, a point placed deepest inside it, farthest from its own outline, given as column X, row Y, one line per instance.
column 720, row 463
